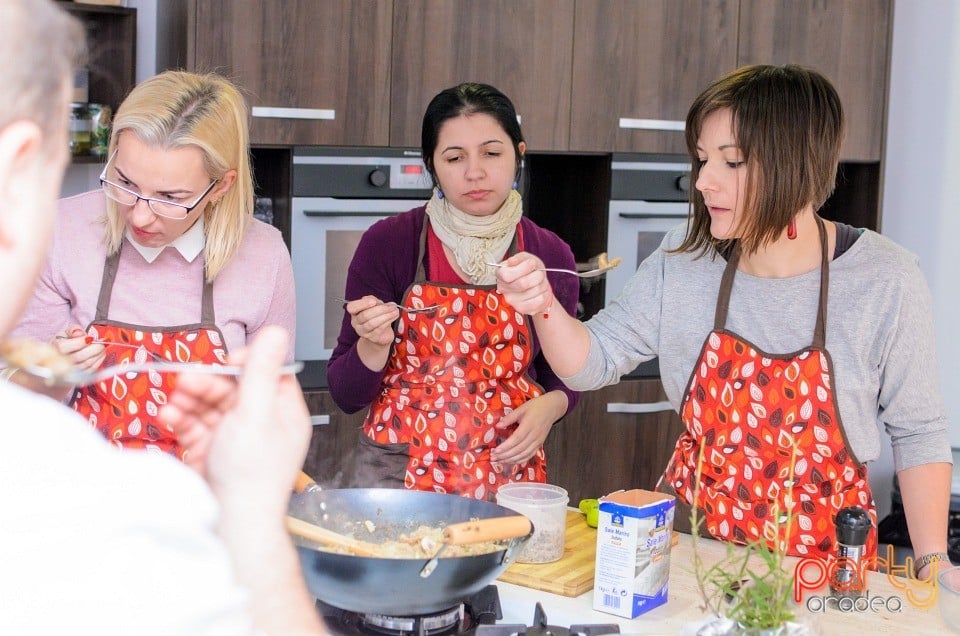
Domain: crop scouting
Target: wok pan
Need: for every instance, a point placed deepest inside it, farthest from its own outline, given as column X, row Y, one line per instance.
column 376, row 585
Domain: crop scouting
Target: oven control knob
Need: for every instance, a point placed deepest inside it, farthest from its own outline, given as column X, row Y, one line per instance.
column 683, row 183
column 378, row 178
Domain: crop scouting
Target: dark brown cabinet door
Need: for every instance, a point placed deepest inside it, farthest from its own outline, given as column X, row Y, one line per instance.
column 335, row 434
column 313, row 72
column 111, row 61
column 637, row 67
column 846, row 41
column 523, row 47
column 618, row 437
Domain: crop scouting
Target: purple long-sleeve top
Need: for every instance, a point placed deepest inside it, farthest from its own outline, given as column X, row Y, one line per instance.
column 385, row 265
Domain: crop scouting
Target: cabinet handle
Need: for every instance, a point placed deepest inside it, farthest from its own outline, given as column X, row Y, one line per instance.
column 638, row 407
column 653, row 124
column 319, row 420
column 644, row 215
column 349, row 215
column 294, row 113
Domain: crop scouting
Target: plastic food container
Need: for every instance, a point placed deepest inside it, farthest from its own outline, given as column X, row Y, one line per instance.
column 948, row 597
column 546, row 506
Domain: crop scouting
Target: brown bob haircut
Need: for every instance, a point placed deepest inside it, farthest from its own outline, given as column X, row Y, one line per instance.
column 788, row 124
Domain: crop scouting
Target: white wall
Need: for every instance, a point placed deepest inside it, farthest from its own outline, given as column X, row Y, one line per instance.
column 921, row 199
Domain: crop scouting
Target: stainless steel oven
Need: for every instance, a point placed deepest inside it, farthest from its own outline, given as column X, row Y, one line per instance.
column 337, row 194
column 649, row 195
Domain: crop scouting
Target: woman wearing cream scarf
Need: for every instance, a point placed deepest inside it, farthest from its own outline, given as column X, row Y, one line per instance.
column 460, row 398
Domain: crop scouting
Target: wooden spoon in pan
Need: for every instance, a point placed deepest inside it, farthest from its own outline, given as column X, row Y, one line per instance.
column 475, row 531
column 307, row 530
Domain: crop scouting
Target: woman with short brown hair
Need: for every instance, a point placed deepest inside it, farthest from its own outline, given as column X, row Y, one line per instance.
column 784, row 340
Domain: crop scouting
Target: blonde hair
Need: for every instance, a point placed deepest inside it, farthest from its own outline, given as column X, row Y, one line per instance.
column 176, row 109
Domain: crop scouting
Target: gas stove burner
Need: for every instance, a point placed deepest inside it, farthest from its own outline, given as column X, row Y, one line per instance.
column 541, row 628
column 426, row 625
column 477, row 616
column 481, row 608
column 443, row 623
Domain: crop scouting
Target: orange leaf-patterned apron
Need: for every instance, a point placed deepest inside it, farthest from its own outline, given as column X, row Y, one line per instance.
column 124, row 407
column 453, row 373
column 750, row 408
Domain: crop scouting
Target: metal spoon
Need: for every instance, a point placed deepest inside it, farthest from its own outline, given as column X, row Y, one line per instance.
column 590, row 273
column 79, row 377
column 478, row 531
column 403, row 308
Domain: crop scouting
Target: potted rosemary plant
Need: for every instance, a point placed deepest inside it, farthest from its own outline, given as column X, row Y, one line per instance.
column 748, row 591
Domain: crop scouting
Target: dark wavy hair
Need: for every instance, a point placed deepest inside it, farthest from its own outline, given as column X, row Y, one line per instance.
column 467, row 99
column 788, row 123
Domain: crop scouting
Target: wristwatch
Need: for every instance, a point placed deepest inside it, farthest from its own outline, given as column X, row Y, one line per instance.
column 928, row 559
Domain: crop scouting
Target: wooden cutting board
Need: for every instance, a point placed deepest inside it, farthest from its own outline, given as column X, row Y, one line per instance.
column 572, row 575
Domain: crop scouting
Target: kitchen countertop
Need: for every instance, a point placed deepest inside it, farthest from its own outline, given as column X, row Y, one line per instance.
column 683, row 604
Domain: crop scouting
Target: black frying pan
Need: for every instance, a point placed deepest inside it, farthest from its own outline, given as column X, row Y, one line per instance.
column 395, row 587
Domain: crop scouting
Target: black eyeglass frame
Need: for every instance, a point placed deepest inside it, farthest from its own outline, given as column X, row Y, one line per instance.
column 187, row 208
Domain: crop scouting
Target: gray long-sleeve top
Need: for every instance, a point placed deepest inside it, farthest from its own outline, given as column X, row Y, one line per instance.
column 880, row 336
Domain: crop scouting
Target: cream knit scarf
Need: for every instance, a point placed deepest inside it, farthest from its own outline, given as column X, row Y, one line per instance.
column 476, row 240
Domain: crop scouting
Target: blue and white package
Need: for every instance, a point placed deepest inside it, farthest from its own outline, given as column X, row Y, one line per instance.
column 633, row 552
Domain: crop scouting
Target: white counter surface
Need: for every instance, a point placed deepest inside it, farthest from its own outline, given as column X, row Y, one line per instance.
column 683, row 605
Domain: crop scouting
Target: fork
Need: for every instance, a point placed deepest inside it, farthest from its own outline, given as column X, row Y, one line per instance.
column 405, row 308
column 590, row 273
column 79, row 377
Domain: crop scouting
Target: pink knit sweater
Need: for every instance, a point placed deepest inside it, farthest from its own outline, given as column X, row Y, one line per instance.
column 254, row 289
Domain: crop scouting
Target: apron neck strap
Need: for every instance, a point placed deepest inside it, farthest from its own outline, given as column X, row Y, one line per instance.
column 421, row 274
column 112, row 264
column 820, row 331
column 726, row 287
column 110, row 267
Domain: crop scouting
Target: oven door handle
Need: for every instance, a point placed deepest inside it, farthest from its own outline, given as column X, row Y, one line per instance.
column 359, row 213
column 638, row 407
column 647, row 215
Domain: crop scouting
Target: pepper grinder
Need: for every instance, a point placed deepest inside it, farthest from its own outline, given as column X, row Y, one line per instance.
column 853, row 524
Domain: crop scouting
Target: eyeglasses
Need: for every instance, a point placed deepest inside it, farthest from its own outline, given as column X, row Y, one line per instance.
column 160, row 207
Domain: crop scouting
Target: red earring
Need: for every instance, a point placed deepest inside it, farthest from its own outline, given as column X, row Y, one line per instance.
column 792, row 229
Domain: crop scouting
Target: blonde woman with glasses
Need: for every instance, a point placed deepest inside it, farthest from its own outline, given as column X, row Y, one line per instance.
column 165, row 260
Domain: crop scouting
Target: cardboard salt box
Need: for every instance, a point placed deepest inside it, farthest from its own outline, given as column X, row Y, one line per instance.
column 633, row 552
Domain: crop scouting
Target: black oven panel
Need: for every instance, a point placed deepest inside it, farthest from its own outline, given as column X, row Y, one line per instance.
column 360, row 173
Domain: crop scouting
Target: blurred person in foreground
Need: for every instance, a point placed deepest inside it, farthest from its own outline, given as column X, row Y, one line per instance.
column 94, row 540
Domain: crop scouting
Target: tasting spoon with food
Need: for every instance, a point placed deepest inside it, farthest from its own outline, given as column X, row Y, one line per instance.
column 74, row 376
column 603, row 266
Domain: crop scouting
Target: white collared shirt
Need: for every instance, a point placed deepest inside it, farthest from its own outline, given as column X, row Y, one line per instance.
column 189, row 244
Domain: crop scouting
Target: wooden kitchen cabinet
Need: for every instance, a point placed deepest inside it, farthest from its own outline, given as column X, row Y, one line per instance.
column 642, row 64
column 334, row 439
column 649, row 60
column 520, row 46
column 313, row 72
column 111, row 61
column 847, row 41
column 620, row 436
